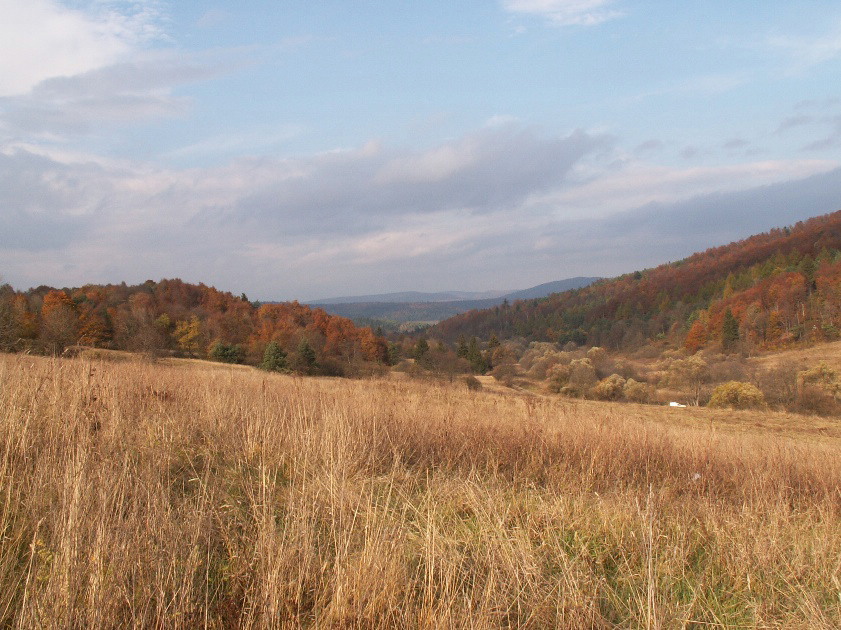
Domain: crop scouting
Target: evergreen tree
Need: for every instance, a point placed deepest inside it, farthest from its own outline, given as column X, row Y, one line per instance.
column 478, row 362
column 306, row 355
column 421, row 348
column 274, row 358
column 729, row 331
column 461, row 347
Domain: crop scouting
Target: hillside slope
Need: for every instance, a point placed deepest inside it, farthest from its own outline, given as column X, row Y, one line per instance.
column 782, row 286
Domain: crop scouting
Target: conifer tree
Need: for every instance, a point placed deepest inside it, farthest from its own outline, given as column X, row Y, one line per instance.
column 729, row 331
column 274, row 358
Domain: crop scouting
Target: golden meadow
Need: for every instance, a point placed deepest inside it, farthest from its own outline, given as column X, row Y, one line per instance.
column 184, row 495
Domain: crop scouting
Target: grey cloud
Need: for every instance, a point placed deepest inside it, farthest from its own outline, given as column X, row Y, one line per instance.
column 736, row 143
column 647, row 147
column 719, row 218
column 687, row 153
column 831, row 141
column 795, row 121
column 114, row 94
column 494, row 168
column 46, row 205
column 291, row 229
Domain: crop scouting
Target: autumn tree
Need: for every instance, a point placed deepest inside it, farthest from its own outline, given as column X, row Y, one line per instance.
column 188, row 335
column 692, row 372
column 8, row 324
column 59, row 322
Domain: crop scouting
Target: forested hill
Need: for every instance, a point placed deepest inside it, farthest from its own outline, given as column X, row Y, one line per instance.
column 780, row 287
column 175, row 317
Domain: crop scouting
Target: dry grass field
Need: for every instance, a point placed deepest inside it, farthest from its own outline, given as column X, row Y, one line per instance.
column 138, row 494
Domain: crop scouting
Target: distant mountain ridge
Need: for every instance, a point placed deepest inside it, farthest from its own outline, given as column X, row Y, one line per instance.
column 405, row 297
column 433, row 307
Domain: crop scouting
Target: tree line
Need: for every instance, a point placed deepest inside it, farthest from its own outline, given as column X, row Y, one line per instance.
column 173, row 317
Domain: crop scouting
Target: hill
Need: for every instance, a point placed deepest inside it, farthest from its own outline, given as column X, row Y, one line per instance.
column 177, row 318
column 433, row 307
column 780, row 287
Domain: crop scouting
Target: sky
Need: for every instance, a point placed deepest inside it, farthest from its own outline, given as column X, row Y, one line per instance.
column 308, row 149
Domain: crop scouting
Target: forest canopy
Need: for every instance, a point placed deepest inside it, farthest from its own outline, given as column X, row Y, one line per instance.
column 181, row 319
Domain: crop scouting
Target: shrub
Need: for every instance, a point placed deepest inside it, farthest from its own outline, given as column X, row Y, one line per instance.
column 610, row 388
column 601, row 361
column 505, row 373
column 558, row 377
column 819, row 390
column 473, row 383
column 814, row 399
column 227, row 353
column 582, row 374
column 636, row 391
column 737, row 395
column 779, row 383
column 822, row 376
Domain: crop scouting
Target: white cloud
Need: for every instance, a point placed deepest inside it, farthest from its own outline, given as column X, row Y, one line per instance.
column 566, row 12
column 41, row 39
column 804, row 52
column 124, row 92
column 325, row 224
column 596, row 192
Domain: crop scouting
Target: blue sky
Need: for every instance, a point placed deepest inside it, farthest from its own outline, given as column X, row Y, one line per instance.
column 296, row 150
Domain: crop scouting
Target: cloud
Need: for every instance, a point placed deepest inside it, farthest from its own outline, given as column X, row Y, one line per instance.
column 717, row 218
column 792, row 122
column 501, row 206
column 832, row 140
column 119, row 93
column 599, row 192
column 357, row 208
column 649, row 146
column 46, row 205
column 566, row 12
column 805, row 52
column 41, row 39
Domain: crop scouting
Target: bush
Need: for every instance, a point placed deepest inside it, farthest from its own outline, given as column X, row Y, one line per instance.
column 582, row 377
column 819, row 390
column 737, row 395
column 558, row 376
column 779, row 383
column 610, row 388
column 822, row 376
column 227, row 353
column 582, row 374
column 505, row 373
column 473, row 383
column 636, row 391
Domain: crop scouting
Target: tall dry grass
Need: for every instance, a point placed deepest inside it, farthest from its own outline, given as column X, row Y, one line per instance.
column 145, row 495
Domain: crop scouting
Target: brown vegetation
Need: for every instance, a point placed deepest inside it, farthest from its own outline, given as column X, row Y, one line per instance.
column 153, row 495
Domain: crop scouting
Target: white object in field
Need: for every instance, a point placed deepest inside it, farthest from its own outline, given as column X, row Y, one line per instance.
column 676, row 404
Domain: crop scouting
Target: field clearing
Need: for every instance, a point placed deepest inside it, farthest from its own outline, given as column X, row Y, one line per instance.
column 829, row 353
column 140, row 494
